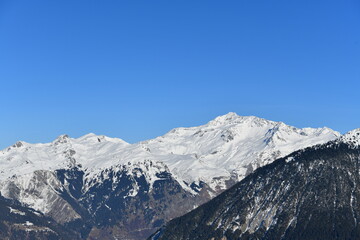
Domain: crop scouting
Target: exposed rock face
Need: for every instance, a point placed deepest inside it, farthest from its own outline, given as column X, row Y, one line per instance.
column 125, row 204
column 18, row 222
column 311, row 194
column 40, row 190
column 119, row 202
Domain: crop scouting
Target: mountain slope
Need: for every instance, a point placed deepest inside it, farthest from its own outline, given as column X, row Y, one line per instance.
column 18, row 222
column 311, row 194
column 106, row 187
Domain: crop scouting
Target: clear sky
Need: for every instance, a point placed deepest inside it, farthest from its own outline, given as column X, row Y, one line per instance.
column 136, row 69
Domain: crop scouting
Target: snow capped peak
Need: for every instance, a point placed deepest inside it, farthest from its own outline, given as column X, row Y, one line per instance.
column 61, row 139
column 91, row 137
column 353, row 133
column 19, row 144
column 233, row 118
column 90, row 151
column 352, row 137
column 230, row 145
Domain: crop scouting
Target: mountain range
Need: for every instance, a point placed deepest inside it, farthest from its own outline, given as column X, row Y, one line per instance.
column 104, row 188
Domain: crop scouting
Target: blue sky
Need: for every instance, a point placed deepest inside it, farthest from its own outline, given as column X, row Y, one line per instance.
column 136, row 69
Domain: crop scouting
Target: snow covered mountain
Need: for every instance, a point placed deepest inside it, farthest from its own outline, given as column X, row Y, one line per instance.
column 313, row 193
column 92, row 177
column 229, row 146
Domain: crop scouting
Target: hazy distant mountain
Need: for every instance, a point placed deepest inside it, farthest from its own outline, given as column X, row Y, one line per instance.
column 104, row 187
column 313, row 193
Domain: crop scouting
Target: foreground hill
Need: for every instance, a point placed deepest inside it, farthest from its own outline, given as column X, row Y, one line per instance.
column 311, row 194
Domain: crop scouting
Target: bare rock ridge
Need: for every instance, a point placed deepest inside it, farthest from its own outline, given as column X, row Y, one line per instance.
column 103, row 187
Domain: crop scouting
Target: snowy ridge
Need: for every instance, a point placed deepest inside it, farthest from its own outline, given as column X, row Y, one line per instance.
column 149, row 169
column 352, row 137
column 228, row 147
column 64, row 152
